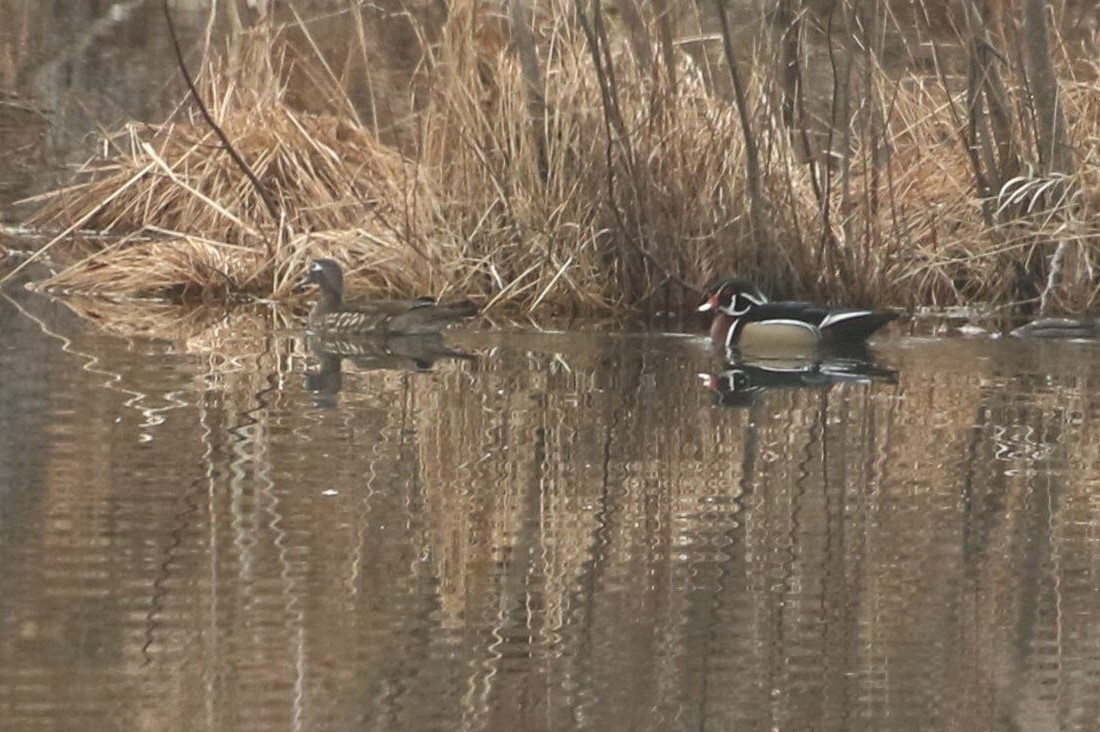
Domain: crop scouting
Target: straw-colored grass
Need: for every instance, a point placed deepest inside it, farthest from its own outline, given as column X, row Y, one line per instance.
column 614, row 192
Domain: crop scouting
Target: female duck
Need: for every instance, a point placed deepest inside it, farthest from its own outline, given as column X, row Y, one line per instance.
column 330, row 314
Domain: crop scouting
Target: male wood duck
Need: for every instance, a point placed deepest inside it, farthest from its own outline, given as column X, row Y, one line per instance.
column 743, row 383
column 744, row 319
column 422, row 316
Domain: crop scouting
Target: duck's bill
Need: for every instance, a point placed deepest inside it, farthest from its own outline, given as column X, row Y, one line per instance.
column 707, row 306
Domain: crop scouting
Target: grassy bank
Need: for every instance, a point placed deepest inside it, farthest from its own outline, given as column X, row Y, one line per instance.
column 580, row 160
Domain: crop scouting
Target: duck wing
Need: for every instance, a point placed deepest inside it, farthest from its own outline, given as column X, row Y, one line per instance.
column 834, row 324
column 802, row 312
column 410, row 317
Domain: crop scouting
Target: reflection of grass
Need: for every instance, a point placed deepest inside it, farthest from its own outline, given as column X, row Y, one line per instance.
column 571, row 515
column 199, row 328
column 545, row 174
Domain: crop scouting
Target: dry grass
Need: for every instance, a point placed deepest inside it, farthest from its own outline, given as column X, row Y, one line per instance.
column 614, row 193
column 206, row 230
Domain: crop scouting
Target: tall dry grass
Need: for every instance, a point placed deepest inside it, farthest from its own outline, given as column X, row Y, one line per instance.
column 599, row 163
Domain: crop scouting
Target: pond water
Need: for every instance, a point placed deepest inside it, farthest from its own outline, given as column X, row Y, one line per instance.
column 221, row 530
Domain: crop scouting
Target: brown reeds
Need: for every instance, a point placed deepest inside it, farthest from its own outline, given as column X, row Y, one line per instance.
column 566, row 164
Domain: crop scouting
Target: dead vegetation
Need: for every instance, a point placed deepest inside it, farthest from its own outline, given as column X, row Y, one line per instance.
column 599, row 162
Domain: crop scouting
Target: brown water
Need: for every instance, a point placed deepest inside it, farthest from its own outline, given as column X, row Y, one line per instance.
column 224, row 532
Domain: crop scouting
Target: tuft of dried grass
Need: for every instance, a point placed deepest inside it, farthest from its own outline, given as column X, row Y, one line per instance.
column 191, row 223
column 581, row 170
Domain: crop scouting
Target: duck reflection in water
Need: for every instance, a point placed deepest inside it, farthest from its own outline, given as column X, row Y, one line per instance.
column 743, row 382
column 1062, row 328
column 372, row 353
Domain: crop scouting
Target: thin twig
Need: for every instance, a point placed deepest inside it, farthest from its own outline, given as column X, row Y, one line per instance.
column 268, row 203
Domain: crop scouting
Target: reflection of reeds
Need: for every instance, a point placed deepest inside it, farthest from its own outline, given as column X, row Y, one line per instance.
column 572, row 523
column 592, row 166
column 199, row 329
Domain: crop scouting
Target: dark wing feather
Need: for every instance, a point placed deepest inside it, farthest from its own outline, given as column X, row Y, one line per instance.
column 805, row 312
column 837, row 324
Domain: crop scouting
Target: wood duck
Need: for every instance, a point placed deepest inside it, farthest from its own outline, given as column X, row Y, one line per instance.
column 743, row 383
column 331, row 315
column 391, row 353
column 745, row 320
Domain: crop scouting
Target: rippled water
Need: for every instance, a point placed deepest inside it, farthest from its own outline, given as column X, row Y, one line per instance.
column 220, row 530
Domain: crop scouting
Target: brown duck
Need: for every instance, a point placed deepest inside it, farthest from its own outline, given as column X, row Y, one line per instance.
column 330, row 314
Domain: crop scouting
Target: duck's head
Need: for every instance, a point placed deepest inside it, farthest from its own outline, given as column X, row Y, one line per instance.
column 327, row 274
column 733, row 297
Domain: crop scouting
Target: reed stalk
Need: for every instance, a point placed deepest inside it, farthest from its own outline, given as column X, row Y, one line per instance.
column 564, row 158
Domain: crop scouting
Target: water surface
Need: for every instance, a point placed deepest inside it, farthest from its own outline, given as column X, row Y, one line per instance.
column 220, row 530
